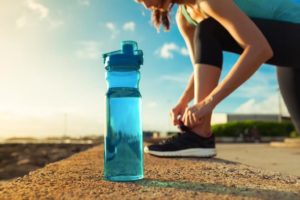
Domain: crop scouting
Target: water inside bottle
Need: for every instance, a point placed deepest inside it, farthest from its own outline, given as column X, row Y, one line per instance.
column 124, row 139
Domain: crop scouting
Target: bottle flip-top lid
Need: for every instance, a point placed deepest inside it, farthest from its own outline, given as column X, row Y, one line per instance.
column 127, row 59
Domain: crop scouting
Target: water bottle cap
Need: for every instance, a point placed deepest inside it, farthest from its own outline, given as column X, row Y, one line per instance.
column 127, row 59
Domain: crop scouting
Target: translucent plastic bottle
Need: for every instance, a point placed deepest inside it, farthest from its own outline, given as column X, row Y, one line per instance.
column 123, row 139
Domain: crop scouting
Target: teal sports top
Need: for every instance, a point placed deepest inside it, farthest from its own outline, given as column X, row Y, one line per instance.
column 281, row 10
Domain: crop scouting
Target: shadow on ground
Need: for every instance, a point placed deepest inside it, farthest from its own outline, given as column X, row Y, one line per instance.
column 208, row 160
column 219, row 189
column 212, row 160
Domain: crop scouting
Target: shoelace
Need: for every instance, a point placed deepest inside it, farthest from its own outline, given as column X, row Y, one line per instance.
column 172, row 139
column 184, row 129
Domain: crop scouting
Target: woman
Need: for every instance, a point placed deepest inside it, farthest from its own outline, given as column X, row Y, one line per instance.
column 259, row 32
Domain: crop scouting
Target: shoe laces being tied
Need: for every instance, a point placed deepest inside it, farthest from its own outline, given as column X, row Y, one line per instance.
column 184, row 130
column 172, row 138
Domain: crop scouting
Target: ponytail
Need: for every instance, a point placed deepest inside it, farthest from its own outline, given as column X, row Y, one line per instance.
column 161, row 18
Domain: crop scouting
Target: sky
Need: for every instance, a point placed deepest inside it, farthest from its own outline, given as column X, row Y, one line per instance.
column 52, row 77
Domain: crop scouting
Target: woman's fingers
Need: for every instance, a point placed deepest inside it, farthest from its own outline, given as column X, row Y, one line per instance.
column 179, row 118
column 195, row 120
column 184, row 117
column 172, row 117
column 173, row 114
column 189, row 118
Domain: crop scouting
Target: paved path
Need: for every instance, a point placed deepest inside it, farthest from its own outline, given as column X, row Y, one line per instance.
column 282, row 159
column 80, row 177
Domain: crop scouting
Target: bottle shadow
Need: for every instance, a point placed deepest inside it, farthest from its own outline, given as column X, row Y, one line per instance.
column 212, row 160
column 219, row 189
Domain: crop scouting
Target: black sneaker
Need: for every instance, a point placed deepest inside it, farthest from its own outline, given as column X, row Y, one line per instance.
column 184, row 144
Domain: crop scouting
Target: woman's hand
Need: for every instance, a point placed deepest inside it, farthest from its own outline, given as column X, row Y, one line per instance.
column 195, row 114
column 177, row 113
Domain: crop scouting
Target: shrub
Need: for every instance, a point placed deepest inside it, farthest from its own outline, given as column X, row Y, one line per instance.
column 235, row 129
column 294, row 134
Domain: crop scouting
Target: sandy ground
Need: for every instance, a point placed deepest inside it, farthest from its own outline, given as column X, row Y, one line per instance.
column 282, row 159
column 80, row 177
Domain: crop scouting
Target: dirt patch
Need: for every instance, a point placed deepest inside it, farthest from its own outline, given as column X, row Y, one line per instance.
column 19, row 159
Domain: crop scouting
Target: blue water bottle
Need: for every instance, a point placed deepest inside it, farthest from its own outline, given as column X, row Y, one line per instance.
column 123, row 139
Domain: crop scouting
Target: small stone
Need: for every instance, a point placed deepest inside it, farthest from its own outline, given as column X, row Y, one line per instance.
column 231, row 170
column 23, row 162
column 14, row 154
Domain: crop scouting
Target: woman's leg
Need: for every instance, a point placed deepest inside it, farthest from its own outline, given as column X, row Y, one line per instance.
column 206, row 78
column 289, row 84
column 208, row 67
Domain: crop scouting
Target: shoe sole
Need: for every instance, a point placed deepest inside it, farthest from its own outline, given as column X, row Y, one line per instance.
column 195, row 152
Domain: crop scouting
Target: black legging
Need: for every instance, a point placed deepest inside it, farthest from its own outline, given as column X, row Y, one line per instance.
column 211, row 38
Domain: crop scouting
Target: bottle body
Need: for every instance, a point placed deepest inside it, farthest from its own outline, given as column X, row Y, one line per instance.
column 123, row 139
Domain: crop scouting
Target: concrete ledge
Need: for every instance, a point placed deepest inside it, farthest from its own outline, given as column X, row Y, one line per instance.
column 80, row 177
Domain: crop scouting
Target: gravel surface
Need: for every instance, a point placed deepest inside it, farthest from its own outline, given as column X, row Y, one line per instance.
column 80, row 177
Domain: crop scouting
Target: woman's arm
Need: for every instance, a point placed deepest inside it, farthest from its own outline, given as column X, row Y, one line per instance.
column 256, row 48
column 187, row 32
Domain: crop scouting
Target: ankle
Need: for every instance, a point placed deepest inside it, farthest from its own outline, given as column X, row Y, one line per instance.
column 202, row 132
column 205, row 134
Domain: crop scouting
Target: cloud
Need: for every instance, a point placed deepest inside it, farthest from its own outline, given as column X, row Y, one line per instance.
column 44, row 15
column 264, row 86
column 21, row 22
column 84, row 2
column 269, row 105
column 39, row 8
column 88, row 50
column 116, row 30
column 261, row 84
column 184, row 51
column 112, row 28
column 129, row 26
column 168, row 49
